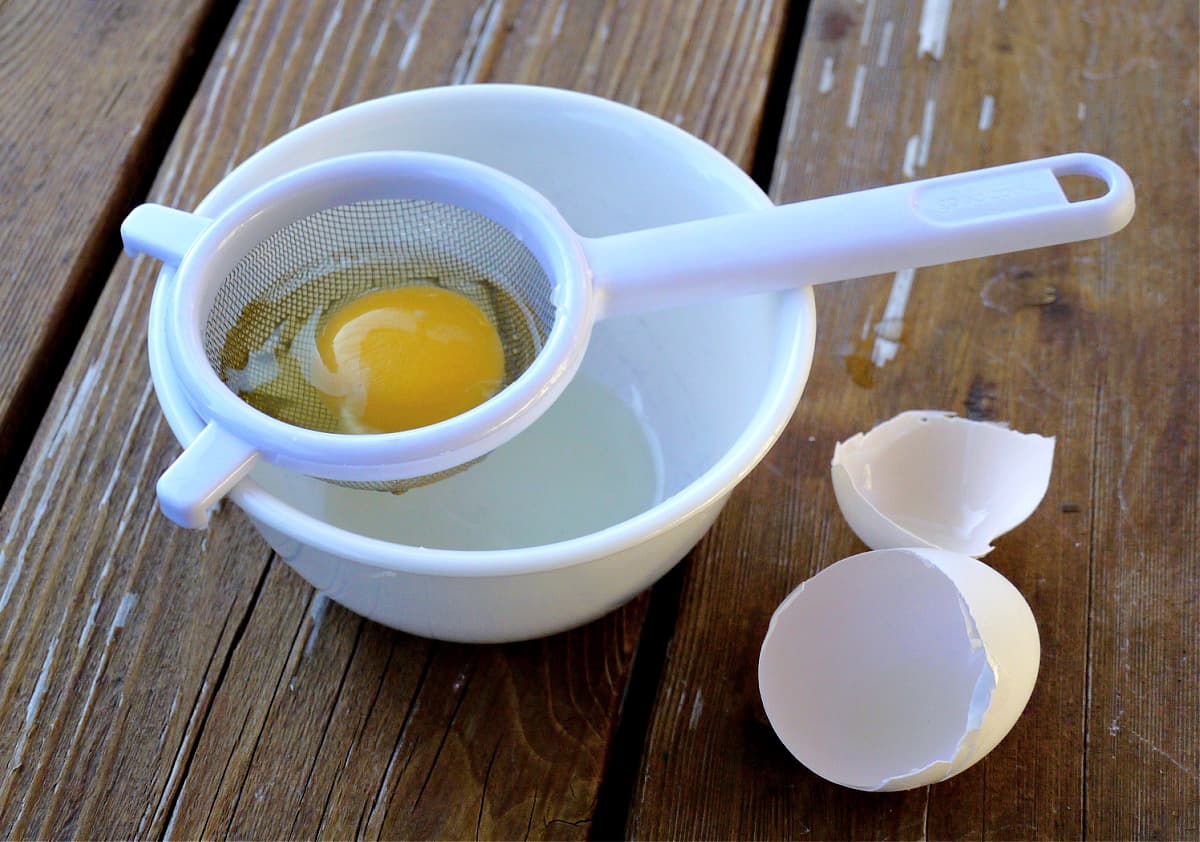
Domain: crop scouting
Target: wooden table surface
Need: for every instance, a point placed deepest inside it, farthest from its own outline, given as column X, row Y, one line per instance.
column 161, row 682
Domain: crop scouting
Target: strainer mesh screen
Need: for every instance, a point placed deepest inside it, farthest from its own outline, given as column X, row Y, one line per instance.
column 263, row 319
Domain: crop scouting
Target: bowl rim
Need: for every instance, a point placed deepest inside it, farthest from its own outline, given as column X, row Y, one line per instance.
column 796, row 310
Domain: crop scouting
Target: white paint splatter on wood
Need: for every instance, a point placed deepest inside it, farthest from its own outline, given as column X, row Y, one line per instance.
column 890, row 327
column 864, row 34
column 926, row 132
column 860, row 81
column 931, row 31
column 910, row 156
column 559, row 15
column 987, row 111
column 885, row 43
column 825, row 85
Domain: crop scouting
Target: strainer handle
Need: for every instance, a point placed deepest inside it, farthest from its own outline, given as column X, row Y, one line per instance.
column 204, row 473
column 161, row 232
column 920, row 223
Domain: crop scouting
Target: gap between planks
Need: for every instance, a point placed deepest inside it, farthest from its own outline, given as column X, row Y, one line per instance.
column 40, row 378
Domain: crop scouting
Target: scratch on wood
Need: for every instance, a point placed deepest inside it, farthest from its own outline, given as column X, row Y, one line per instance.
column 925, row 814
column 64, row 422
column 39, row 689
column 119, row 466
column 118, row 321
column 860, row 81
column 414, row 36
column 135, row 490
column 334, row 19
column 173, row 177
column 483, row 28
column 1130, row 65
column 122, row 614
column 1081, row 111
column 487, row 777
column 34, row 706
column 885, row 43
column 825, row 85
column 931, row 31
column 987, row 111
column 697, row 708
column 380, row 803
column 256, row 26
column 1128, row 451
column 89, row 624
column 68, row 421
column 316, row 614
column 380, row 37
column 1174, row 761
column 162, row 737
column 181, row 756
column 85, row 714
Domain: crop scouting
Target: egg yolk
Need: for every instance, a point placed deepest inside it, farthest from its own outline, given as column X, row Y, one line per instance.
column 397, row 359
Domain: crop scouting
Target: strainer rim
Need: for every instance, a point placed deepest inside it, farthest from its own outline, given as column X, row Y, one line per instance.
column 424, row 450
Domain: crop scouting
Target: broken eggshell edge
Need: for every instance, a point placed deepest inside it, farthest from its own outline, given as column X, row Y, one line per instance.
column 995, row 618
column 927, row 478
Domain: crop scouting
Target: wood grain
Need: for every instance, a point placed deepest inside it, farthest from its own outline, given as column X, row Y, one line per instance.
column 155, row 682
column 1094, row 343
column 81, row 127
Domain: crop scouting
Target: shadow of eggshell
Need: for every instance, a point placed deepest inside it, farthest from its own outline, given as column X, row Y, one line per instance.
column 898, row 668
column 930, row 479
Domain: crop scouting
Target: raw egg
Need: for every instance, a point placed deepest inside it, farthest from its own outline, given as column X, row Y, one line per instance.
column 398, row 359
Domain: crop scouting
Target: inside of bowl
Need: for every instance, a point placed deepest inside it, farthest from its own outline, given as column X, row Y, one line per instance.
column 660, row 397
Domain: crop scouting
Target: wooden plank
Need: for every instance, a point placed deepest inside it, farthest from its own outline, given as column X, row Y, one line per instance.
column 80, row 124
column 1094, row 343
column 159, row 682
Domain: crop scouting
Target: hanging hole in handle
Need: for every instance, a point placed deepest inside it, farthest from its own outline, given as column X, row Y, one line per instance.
column 1082, row 187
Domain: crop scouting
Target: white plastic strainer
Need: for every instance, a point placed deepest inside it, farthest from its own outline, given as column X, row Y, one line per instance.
column 388, row 218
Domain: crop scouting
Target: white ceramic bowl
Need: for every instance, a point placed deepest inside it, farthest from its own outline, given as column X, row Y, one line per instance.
column 623, row 476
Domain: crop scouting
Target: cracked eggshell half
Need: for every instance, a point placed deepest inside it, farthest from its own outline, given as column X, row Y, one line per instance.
column 931, row 479
column 898, row 668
